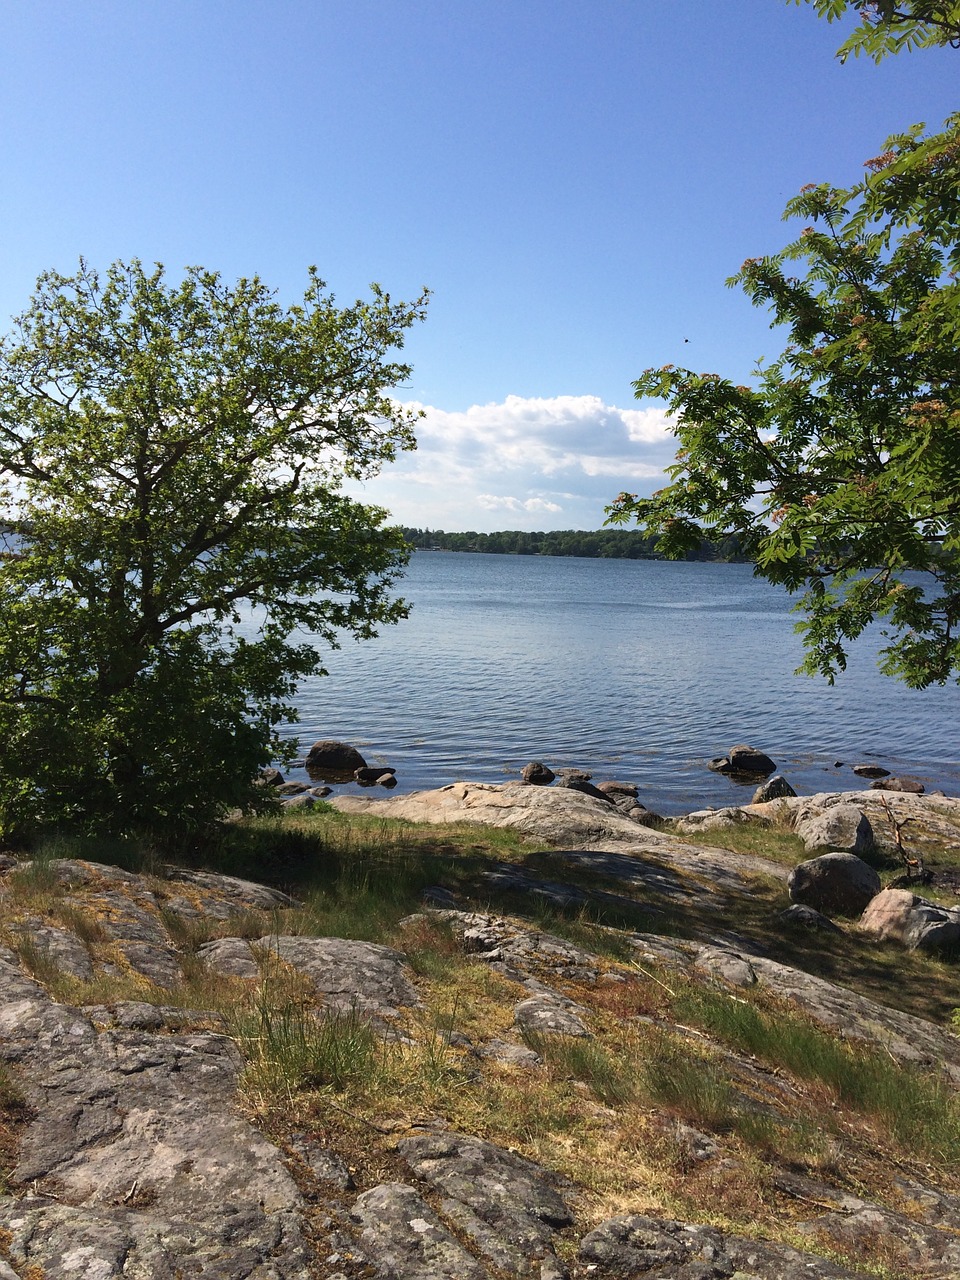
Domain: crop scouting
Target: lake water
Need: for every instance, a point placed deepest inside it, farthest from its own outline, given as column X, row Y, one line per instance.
column 636, row 670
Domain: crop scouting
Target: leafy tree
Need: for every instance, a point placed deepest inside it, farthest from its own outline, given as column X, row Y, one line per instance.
column 840, row 469
column 887, row 26
column 178, row 544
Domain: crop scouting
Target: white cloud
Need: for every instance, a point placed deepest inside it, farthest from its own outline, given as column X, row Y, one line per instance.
column 491, row 502
column 552, row 462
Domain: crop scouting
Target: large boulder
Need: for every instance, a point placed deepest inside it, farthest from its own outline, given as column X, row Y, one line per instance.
column 933, row 928
column 842, row 827
column 888, row 914
column 743, row 761
column 834, row 883
column 331, row 760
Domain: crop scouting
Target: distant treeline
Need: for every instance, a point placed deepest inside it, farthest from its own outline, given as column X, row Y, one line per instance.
column 610, row 544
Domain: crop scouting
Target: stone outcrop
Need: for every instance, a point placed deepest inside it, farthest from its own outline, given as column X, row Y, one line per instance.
column 932, row 819
column 509, row 1208
column 715, row 820
column 571, row 821
column 638, row 1246
column 153, row 1167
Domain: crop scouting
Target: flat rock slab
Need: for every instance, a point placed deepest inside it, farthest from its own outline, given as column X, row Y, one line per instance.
column 632, row 1247
column 928, row 1244
column 69, row 1243
column 523, row 952
column 131, row 912
column 138, row 1135
column 630, row 870
column 231, row 893
column 507, row 1207
column 928, row 1251
column 551, row 1015
column 137, row 1015
column 347, row 974
column 404, row 1239
column 231, row 957
column 512, row 1055
column 59, row 947
column 568, row 819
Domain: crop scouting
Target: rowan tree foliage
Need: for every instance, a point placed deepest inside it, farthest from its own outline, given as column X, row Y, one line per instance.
column 179, row 549
column 887, row 26
column 839, row 470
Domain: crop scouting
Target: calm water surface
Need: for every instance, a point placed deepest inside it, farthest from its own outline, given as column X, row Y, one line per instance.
column 637, row 670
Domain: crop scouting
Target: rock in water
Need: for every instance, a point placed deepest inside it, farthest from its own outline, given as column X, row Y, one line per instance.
column 743, row 761
column 537, row 774
column 333, row 761
column 913, row 786
column 871, row 771
column 775, row 788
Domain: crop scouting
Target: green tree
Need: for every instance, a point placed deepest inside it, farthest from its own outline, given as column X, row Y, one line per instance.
column 839, row 471
column 887, row 26
column 171, row 459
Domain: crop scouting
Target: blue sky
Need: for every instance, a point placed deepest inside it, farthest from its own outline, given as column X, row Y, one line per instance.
column 574, row 181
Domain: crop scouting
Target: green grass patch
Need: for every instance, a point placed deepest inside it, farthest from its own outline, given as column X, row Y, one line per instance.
column 610, row 1077
column 918, row 1110
column 758, row 839
column 291, row 1048
column 690, row 1084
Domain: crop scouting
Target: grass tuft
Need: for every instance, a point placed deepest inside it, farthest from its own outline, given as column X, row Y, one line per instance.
column 290, row 1048
column 690, row 1084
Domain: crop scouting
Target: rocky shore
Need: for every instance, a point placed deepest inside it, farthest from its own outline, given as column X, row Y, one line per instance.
column 134, row 1144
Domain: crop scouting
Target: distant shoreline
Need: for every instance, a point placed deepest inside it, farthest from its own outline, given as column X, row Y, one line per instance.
column 598, row 544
